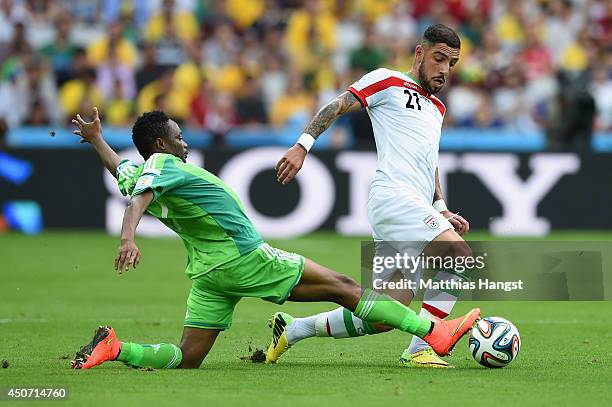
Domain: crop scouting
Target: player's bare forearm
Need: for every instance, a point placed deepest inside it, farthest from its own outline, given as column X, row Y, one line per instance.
column 133, row 213
column 292, row 161
column 91, row 132
column 129, row 254
column 109, row 157
column 321, row 121
column 438, row 191
column 460, row 224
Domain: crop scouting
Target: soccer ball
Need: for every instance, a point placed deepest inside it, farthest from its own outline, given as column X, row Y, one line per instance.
column 494, row 342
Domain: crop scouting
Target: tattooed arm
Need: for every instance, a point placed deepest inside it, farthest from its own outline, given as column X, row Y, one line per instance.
column 292, row 161
column 346, row 102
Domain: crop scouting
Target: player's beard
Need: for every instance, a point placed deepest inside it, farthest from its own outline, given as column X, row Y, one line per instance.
column 424, row 82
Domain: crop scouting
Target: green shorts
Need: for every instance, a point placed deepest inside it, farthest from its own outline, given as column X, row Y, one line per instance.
column 266, row 273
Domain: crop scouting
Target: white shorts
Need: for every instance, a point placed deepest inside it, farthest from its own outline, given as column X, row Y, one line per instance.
column 406, row 221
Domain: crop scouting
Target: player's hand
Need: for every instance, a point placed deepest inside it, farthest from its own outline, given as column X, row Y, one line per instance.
column 88, row 130
column 461, row 225
column 290, row 164
column 129, row 255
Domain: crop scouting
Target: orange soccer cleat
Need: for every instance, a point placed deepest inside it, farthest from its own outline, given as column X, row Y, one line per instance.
column 103, row 347
column 445, row 334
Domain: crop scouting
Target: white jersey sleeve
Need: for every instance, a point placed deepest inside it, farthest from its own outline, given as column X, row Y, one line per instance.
column 373, row 87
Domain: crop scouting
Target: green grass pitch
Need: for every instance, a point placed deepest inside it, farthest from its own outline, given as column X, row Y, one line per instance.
column 57, row 287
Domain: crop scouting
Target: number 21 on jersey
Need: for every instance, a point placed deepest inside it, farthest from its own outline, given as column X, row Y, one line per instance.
column 411, row 94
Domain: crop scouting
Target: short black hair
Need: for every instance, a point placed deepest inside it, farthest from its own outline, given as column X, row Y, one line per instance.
column 439, row 33
column 148, row 127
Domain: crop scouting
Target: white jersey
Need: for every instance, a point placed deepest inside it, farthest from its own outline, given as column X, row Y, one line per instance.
column 407, row 123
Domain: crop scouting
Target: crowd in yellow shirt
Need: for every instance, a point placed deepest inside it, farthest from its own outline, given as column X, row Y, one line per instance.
column 293, row 56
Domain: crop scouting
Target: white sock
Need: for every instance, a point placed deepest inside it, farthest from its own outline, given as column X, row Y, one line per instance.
column 435, row 303
column 338, row 323
column 301, row 328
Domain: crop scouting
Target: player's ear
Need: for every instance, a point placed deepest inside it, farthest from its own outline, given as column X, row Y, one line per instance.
column 418, row 53
column 160, row 144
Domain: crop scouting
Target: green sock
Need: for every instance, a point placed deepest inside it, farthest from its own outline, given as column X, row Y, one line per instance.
column 378, row 308
column 161, row 356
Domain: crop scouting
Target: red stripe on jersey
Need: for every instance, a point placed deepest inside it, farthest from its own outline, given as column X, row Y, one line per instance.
column 358, row 95
column 434, row 311
column 437, row 102
column 376, row 87
column 382, row 85
column 394, row 81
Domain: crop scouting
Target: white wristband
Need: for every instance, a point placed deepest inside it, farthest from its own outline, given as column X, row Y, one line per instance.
column 306, row 141
column 440, row 205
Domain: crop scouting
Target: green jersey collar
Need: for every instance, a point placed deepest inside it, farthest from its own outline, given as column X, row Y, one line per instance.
column 413, row 78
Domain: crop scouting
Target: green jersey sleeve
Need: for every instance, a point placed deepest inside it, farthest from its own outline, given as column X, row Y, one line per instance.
column 127, row 175
column 160, row 175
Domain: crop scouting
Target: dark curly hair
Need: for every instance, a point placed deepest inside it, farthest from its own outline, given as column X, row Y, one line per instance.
column 148, row 127
column 439, row 33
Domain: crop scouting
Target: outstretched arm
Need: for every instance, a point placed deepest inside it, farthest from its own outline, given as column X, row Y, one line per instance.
column 344, row 103
column 292, row 161
column 129, row 254
column 91, row 132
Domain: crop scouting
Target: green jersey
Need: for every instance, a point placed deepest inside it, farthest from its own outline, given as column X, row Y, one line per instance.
column 198, row 206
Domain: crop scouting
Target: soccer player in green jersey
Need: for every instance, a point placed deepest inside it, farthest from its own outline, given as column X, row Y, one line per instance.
column 227, row 258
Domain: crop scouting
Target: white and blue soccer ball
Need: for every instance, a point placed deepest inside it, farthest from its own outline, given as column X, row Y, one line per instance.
column 494, row 342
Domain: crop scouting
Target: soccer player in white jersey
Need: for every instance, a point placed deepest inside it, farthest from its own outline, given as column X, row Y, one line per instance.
column 405, row 201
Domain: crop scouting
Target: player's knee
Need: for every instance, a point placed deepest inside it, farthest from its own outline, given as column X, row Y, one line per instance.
column 458, row 249
column 344, row 289
column 345, row 280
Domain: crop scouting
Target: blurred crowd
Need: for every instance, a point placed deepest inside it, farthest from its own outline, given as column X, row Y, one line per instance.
column 217, row 64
